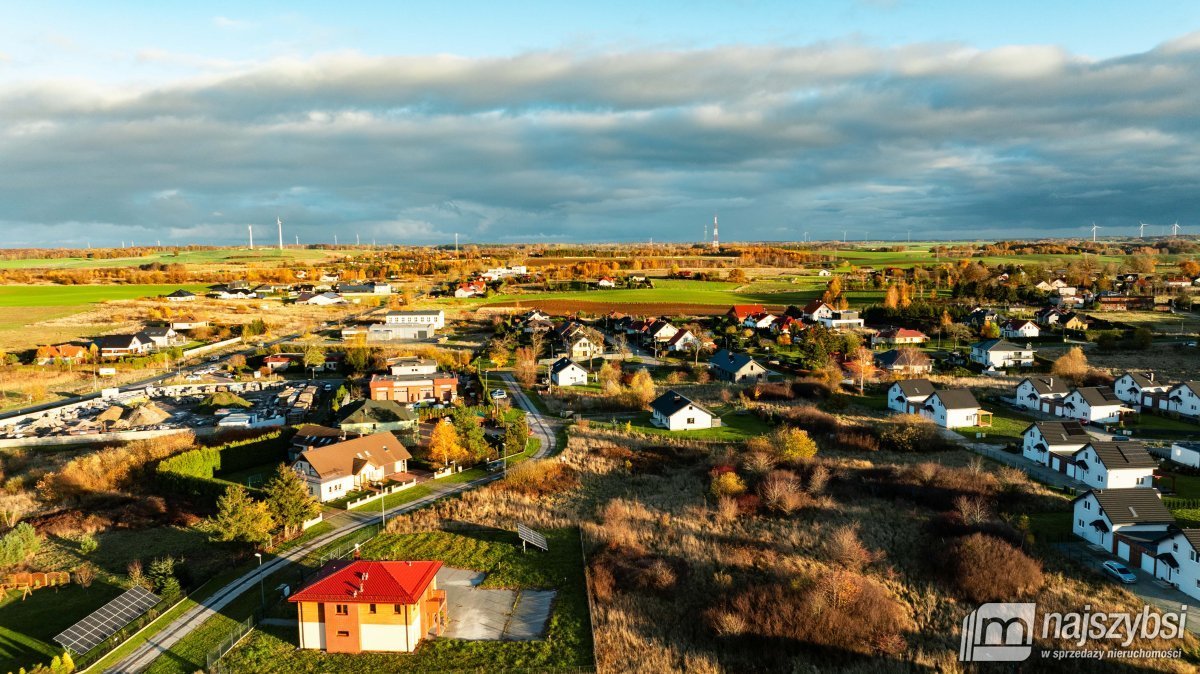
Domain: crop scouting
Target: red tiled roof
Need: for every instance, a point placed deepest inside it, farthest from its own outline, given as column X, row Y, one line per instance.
column 363, row 582
column 741, row 311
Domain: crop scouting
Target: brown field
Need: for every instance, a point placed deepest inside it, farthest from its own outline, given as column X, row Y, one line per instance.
column 569, row 307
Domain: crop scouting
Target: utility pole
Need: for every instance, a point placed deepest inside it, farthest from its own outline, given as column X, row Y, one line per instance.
column 335, row 243
column 357, row 240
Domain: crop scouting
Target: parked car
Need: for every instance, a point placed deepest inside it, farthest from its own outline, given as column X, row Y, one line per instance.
column 1119, row 571
column 499, row 394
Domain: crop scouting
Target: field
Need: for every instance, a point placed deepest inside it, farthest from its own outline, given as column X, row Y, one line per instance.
column 222, row 256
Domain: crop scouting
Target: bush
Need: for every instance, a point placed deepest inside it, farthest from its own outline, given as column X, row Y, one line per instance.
column 810, row 418
column 538, row 477
column 861, row 441
column 793, row 444
column 727, row 484
column 910, row 433
column 844, row 547
column 18, row 545
column 985, row 568
column 87, row 544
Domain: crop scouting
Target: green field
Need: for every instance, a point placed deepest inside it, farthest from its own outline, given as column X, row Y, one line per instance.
column 28, row 627
column 734, row 428
column 195, row 257
column 81, row 295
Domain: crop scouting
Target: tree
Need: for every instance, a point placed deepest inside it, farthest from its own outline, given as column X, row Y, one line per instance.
column 516, row 435
column 314, row 357
column 1143, row 338
column 84, row 575
column 358, row 358
column 862, row 366
column 444, row 446
column 537, row 342
column 18, row 545
column 641, row 389
column 526, row 368
column 470, row 434
column 833, row 290
column 240, row 518
column 957, row 332
column 793, row 444
column 737, row 276
column 161, row 575
column 1073, row 365
column 610, row 378
column 288, row 500
column 498, row 353
column 911, row 358
column 989, row 330
column 13, row 507
column 891, row 299
column 1190, row 269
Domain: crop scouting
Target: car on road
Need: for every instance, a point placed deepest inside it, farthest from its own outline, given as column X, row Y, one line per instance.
column 194, row 377
column 499, row 394
column 213, row 359
column 327, row 387
column 1119, row 571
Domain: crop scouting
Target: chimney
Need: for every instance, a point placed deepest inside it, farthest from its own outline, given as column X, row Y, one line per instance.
column 1150, row 376
column 1051, row 381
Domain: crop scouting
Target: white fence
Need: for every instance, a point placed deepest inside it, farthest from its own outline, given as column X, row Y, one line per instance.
column 386, row 491
column 208, row 348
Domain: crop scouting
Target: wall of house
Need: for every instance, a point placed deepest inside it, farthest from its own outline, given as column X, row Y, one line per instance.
column 312, row 628
column 330, row 489
column 1031, row 440
column 1184, row 456
column 1081, row 524
column 679, row 422
column 1187, row 576
column 1128, row 478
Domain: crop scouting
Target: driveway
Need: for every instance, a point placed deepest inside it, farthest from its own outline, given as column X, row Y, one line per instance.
column 491, row 615
column 1148, row 588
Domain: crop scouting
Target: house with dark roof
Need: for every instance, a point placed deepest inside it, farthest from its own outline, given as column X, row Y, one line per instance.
column 360, row 605
column 1133, row 387
column 311, row 436
column 908, row 396
column 1177, row 560
column 372, row 416
column 336, row 470
column 736, row 367
column 163, row 336
column 1053, row 443
column 1113, row 465
column 1128, row 523
column 955, row 408
column 675, row 412
column 180, row 295
column 906, row 361
column 566, row 372
column 117, row 346
column 1019, row 328
column 1091, row 404
column 1032, row 391
column 1184, row 398
column 1001, row 353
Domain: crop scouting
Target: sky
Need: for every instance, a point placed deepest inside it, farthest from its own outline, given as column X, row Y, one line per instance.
column 185, row 123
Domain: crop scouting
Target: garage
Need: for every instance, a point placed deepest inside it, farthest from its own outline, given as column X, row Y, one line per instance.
column 1123, row 550
column 1148, row 563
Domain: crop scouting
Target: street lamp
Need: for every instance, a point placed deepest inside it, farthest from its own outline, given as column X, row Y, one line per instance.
column 262, row 593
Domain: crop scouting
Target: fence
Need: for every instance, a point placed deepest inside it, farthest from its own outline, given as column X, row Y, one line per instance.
column 235, row 635
column 1173, row 503
column 386, row 491
column 207, row 348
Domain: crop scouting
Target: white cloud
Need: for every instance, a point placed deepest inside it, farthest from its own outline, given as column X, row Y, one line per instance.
column 226, row 23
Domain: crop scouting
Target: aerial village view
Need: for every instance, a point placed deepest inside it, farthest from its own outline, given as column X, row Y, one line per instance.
column 844, row 337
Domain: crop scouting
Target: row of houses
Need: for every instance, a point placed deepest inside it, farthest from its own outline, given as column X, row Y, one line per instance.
column 400, row 326
column 1066, row 447
column 1131, row 392
column 1143, row 392
column 794, row 318
column 948, row 408
column 243, row 290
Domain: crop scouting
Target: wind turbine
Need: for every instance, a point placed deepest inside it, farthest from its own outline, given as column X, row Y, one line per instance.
column 1141, row 230
column 1175, row 229
column 1094, row 228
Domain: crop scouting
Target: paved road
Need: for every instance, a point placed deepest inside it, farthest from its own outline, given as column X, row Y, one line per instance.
column 344, row 523
column 1034, row 470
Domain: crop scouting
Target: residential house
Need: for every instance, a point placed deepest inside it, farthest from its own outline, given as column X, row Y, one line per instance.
column 759, row 321
column 736, row 367
column 61, row 353
column 278, row 362
column 1129, row 523
column 1074, row 321
column 321, row 299
column 1033, row 391
column 163, row 336
column 1113, row 465
column 232, row 291
column 980, row 316
column 407, row 326
column 682, row 340
column 117, row 346
column 1049, row 316
column 368, row 288
column 899, row 337
column 1001, row 353
column 606, row 282
column 572, row 339
column 661, row 332
column 908, row 396
column 906, row 361
column 181, row 295
column 675, row 412
column 471, row 289
column 824, row 272
column 1186, row 453
column 312, row 436
column 566, row 372
column 1092, row 404
column 1019, row 328
column 1177, row 560
column 839, row 319
column 412, row 365
column 815, row 310
column 1133, row 387
column 955, row 408
column 365, row 417
column 358, row 605
column 1184, row 398
column 335, row 470
column 439, row 387
column 498, row 273
column 738, row 312
column 1053, row 443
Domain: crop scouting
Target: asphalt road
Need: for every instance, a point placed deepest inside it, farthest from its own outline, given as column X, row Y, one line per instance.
column 346, row 523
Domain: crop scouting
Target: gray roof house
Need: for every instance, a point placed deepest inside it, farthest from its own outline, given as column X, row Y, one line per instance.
column 736, row 367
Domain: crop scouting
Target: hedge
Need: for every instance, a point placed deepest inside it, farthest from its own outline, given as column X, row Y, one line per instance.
column 192, row 473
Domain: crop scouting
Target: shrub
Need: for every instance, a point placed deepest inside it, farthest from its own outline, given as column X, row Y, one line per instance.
column 18, row 545
column 758, row 462
column 844, row 547
column 911, row 433
column 87, row 544
column 537, row 477
column 727, row 509
column 778, row 391
column 810, row 418
column 793, row 444
column 780, row 492
column 727, row 484
column 856, row 440
column 985, row 568
column 818, row 480
column 812, row 389
column 84, row 575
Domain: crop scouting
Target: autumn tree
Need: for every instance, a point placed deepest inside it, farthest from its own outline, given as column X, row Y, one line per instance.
column 1190, row 268
column 989, row 330
column 833, row 290
column 610, row 378
column 891, row 300
column 240, row 518
column 444, row 445
column 1073, row 365
column 793, row 444
column 526, row 367
column 911, row 359
column 288, row 500
column 862, row 366
column 314, row 357
column 641, row 389
column 470, row 434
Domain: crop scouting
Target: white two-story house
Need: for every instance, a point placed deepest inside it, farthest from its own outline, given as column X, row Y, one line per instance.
column 1092, row 404
column 908, row 396
column 1178, row 560
column 1001, row 353
column 955, row 408
column 1128, row 523
column 675, row 412
column 1132, row 387
column 334, row 471
column 1032, row 391
column 1113, row 465
column 1184, row 398
column 1019, row 328
column 1053, row 443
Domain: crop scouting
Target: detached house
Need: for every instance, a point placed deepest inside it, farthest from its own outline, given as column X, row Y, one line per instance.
column 815, row 310
column 1092, row 404
column 955, row 408
column 1033, row 391
column 566, row 372
column 181, row 295
column 368, row 416
column 841, row 319
column 739, row 312
column 675, row 412
column 1001, row 353
column 1053, row 443
column 1017, row 328
column 736, row 367
column 62, row 353
column 909, row 396
column 1184, row 398
column 759, row 321
column 899, row 337
column 903, row 361
column 1178, row 560
column 683, row 340
column 1114, row 465
column 117, row 346
column 360, row 605
column 333, row 471
column 1133, row 387
column 163, row 336
column 1129, row 523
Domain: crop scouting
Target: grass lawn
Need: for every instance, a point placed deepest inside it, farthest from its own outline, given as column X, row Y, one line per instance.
column 1051, row 525
column 1187, row 518
column 734, row 427
column 1149, row 423
column 28, row 627
column 494, row 551
column 1185, row 486
column 255, row 476
column 399, row 498
column 77, row 296
column 1006, row 428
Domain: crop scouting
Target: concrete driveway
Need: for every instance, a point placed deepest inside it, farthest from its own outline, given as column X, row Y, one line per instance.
column 492, row 615
column 1149, row 589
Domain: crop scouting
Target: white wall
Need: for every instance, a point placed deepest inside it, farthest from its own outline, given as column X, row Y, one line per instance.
column 679, row 422
column 312, row 635
column 1185, row 456
column 1081, row 524
column 380, row 637
column 1127, row 478
column 961, row 418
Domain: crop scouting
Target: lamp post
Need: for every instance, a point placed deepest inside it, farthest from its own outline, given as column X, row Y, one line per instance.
column 262, row 593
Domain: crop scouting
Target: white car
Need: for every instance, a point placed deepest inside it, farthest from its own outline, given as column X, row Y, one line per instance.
column 193, row 377
column 1119, row 571
column 499, row 394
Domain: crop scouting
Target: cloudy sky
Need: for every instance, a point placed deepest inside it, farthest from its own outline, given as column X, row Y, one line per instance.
column 539, row 121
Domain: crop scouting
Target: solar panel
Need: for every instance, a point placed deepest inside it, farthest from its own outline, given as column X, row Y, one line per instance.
column 104, row 622
column 531, row 537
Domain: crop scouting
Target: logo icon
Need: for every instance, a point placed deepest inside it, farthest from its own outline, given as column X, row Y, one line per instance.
column 998, row 632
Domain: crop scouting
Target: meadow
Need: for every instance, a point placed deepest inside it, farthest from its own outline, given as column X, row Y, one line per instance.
column 190, row 257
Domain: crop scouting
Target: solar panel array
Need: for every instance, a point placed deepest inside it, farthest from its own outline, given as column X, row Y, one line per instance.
column 532, row 537
column 104, row 622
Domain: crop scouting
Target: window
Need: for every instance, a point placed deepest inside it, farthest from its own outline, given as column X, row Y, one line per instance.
column 1087, row 505
column 371, row 610
column 691, row 420
column 343, row 633
column 396, row 608
column 341, row 609
column 1081, row 523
